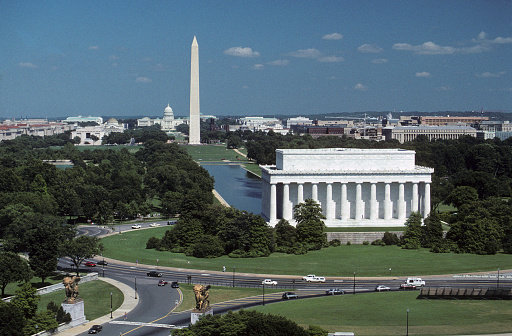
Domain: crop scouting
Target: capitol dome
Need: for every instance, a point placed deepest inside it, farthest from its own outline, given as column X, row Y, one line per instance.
column 168, row 112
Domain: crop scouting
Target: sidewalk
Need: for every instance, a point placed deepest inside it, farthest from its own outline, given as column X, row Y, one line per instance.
column 129, row 303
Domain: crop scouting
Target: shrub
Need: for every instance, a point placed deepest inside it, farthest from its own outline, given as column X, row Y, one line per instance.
column 379, row 242
column 366, row 242
column 349, row 243
column 335, row 242
column 153, row 243
column 390, row 238
column 207, row 247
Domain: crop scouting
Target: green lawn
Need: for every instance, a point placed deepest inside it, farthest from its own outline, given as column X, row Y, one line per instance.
column 96, row 295
column 365, row 260
column 213, row 153
column 36, row 282
column 386, row 314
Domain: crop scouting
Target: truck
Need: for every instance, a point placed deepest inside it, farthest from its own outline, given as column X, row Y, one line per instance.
column 414, row 282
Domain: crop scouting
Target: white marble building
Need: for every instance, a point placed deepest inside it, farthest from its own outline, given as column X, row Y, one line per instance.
column 355, row 187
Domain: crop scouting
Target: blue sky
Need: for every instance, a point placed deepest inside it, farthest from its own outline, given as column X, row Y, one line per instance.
column 127, row 58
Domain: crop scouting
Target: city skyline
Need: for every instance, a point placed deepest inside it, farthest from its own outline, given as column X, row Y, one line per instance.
column 132, row 58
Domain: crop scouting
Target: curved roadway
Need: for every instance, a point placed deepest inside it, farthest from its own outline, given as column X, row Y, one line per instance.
column 156, row 305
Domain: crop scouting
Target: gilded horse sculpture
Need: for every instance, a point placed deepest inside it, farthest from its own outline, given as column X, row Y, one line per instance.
column 201, row 293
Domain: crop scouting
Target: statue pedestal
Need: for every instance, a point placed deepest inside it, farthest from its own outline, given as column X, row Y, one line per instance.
column 76, row 310
column 196, row 314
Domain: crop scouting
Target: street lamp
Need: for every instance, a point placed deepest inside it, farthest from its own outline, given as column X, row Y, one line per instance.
column 354, row 283
column 407, row 321
column 233, row 276
column 110, row 304
column 135, row 288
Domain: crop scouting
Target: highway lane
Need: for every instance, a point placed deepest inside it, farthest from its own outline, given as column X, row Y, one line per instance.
column 156, row 304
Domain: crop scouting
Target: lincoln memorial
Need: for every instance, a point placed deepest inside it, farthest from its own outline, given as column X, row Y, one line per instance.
column 354, row 187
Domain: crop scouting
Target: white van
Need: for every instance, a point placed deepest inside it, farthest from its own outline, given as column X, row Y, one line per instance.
column 415, row 282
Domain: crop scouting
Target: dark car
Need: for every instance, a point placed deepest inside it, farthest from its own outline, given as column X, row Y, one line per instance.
column 175, row 284
column 334, row 291
column 154, row 274
column 102, row 262
column 95, row 329
column 90, row 264
column 290, row 295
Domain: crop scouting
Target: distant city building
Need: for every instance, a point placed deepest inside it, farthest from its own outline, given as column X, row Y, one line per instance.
column 11, row 128
column 354, row 187
column 256, row 122
column 93, row 135
column 80, row 119
column 440, row 121
column 409, row 133
column 298, row 121
column 495, row 126
column 167, row 123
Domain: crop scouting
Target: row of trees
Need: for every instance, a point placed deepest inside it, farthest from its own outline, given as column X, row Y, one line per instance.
column 209, row 231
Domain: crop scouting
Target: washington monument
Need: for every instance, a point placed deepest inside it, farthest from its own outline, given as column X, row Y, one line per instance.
column 194, row 127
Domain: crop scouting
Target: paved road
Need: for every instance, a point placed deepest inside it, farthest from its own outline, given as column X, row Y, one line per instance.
column 156, row 305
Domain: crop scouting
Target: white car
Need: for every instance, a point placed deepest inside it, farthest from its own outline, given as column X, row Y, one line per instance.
column 154, row 224
column 309, row 276
column 316, row 279
column 136, row 226
column 269, row 282
column 382, row 288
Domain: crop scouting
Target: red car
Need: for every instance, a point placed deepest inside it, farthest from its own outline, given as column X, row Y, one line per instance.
column 90, row 264
column 162, row 282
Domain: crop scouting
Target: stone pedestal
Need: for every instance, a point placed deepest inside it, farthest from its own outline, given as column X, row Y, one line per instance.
column 196, row 314
column 76, row 310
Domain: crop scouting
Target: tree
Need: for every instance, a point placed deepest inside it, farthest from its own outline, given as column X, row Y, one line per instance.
column 12, row 320
column 310, row 227
column 13, row 268
column 411, row 238
column 26, row 300
column 285, row 233
column 243, row 323
column 462, row 195
column 432, row 230
column 81, row 248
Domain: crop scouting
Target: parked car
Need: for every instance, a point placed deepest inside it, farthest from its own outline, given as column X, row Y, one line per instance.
column 382, row 288
column 154, row 224
column 269, row 282
column 102, row 262
column 95, row 329
column 316, row 279
column 90, row 264
column 175, row 284
column 335, row 291
column 290, row 295
column 162, row 282
column 136, row 226
column 154, row 274
column 309, row 276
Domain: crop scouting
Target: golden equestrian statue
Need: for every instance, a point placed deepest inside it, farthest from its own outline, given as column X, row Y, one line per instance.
column 202, row 294
column 71, row 286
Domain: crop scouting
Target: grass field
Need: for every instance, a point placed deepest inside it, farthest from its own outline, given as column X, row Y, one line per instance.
column 96, row 295
column 365, row 260
column 11, row 288
column 386, row 314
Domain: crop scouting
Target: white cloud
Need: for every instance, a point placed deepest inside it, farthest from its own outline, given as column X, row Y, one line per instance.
column 27, row 65
column 306, row 53
column 370, row 48
column 490, row 74
column 333, row 36
column 331, row 59
column 360, row 87
column 114, row 57
column 279, row 62
column 423, row 74
column 427, row 48
column 94, row 48
column 143, row 80
column 379, row 61
column 482, row 38
column 445, row 88
column 241, row 52
column 258, row 66
column 159, row 67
